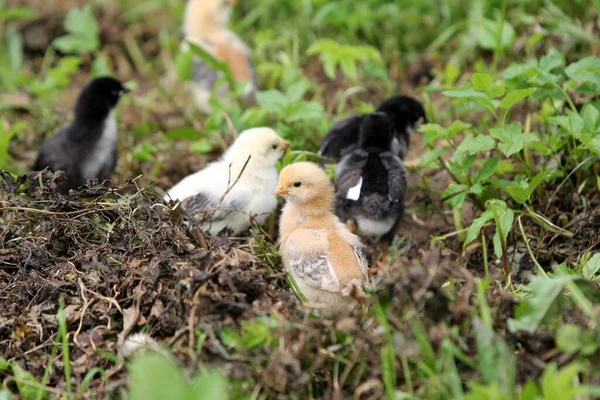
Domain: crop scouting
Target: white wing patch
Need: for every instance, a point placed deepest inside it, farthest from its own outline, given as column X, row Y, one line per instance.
column 316, row 271
column 354, row 191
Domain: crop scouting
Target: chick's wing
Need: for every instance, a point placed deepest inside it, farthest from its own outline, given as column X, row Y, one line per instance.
column 396, row 175
column 306, row 253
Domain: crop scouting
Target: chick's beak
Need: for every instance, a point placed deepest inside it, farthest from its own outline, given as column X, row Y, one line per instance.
column 125, row 91
column 284, row 146
column 281, row 191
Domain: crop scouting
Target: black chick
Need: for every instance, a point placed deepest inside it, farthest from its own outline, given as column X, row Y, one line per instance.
column 371, row 182
column 86, row 148
column 405, row 113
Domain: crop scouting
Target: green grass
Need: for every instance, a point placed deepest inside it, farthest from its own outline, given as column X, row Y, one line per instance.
column 514, row 116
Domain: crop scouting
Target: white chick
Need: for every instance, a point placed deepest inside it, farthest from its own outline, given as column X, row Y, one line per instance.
column 326, row 260
column 205, row 24
column 218, row 199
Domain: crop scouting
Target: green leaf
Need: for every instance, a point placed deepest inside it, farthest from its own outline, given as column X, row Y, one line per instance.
column 201, row 146
column 184, row 62
column 183, row 134
column 512, row 140
column 591, row 118
column 568, row 338
column 144, row 152
column 83, row 32
column 488, row 169
column 153, row 376
column 592, row 266
column 505, row 218
column 473, row 95
column 496, row 360
column 585, row 70
column 455, row 195
column 560, row 384
column 554, row 59
column 432, row 132
column 541, row 295
column 101, row 66
column 305, row 111
column 272, row 100
column 522, row 190
column 472, row 145
column 476, row 226
column 488, row 34
column 430, row 158
column 515, row 96
column 482, row 82
column 497, row 90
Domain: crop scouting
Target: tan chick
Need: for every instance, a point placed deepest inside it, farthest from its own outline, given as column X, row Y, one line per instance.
column 326, row 260
column 205, row 24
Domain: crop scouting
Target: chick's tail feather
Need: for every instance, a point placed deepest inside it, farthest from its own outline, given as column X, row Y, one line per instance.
column 376, row 205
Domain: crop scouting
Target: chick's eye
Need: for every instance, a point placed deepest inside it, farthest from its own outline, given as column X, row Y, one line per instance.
column 297, row 184
column 274, row 146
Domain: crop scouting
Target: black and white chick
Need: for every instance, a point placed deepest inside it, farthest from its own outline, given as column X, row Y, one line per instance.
column 405, row 113
column 87, row 147
column 371, row 182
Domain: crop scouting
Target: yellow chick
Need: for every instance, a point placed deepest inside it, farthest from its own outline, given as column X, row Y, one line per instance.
column 205, row 24
column 326, row 260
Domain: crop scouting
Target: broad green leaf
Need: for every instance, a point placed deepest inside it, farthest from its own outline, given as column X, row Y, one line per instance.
column 144, row 152
column 488, row 169
column 487, row 37
column 272, row 100
column 209, row 384
column 432, row 132
column 183, row 133
column 183, row 65
column 512, row 140
column 457, row 127
column 542, row 292
column 591, row 118
column 152, row 376
column 83, row 32
column 521, row 190
column 506, row 217
column 101, row 66
column 585, row 70
column 515, row 96
column 482, row 82
column 297, row 90
column 561, row 384
column 496, row 360
column 305, row 111
column 476, row 226
column 473, row 95
column 430, row 158
column 554, row 59
column 497, row 90
column 455, row 195
column 472, row 145
column 201, row 146
column 592, row 266
column 568, row 338
column 465, row 94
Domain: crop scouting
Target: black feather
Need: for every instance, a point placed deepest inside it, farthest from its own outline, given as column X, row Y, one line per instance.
column 383, row 177
column 405, row 112
column 75, row 145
